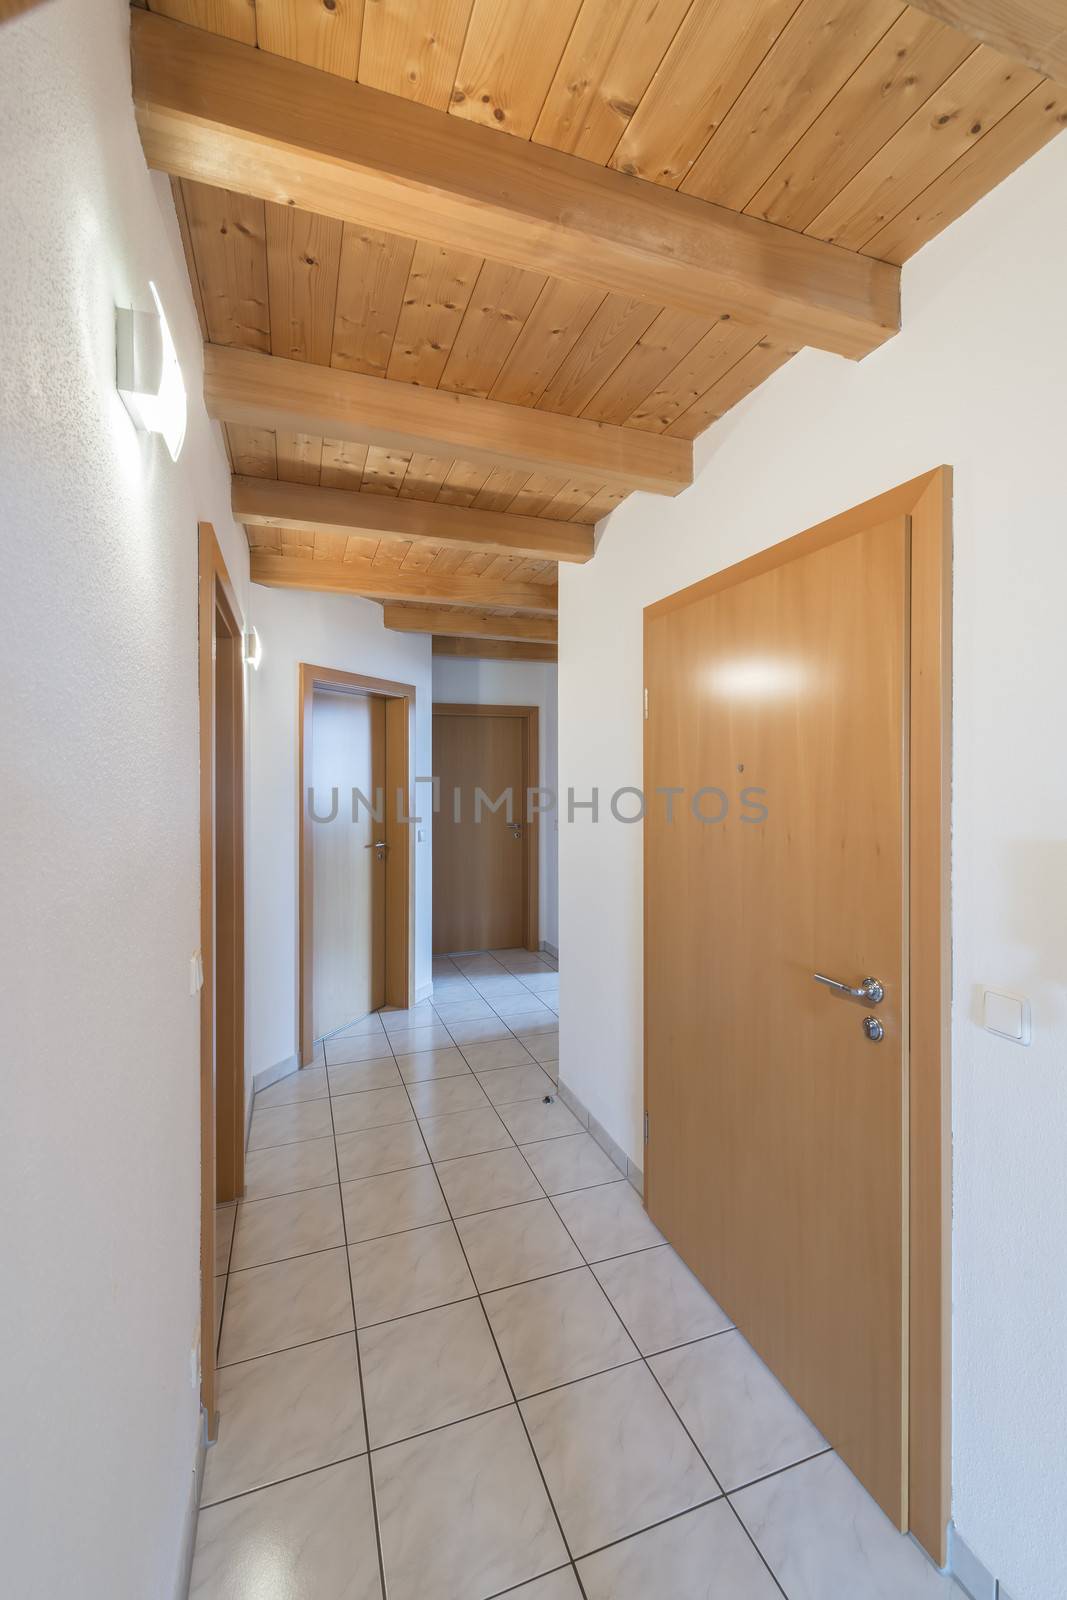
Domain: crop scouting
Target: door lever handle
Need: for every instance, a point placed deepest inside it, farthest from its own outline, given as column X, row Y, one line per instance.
column 870, row 989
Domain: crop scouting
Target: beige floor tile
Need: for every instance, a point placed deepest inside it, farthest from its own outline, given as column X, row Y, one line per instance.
column 574, row 1163
column 560, row 1585
column 407, row 1272
column 451, row 986
column 615, row 1457
column 557, row 1330
column 480, row 1030
column 311, row 1538
column 531, row 1012
column 285, row 1168
column 446, row 1062
column 492, row 1053
column 371, row 1023
column 287, row 1225
column 741, row 1418
column 392, row 1203
column 530, row 1121
column 225, row 1219
column 659, row 1299
column 436, row 1097
column 464, row 1133
column 356, row 1047
column 291, row 1124
column 544, row 1046
column 421, row 1016
column 286, row 1303
column 285, row 1414
column 497, row 985
column 374, row 1150
column 428, row 1370
column 463, row 1512
column 450, row 1011
column 703, row 1555
column 516, row 1243
column 542, row 981
column 523, row 1081
column 416, row 1041
column 308, row 1084
column 480, row 1183
column 373, row 1108
column 357, row 1077
column 530, row 1025
column 607, row 1221
column 822, row 1535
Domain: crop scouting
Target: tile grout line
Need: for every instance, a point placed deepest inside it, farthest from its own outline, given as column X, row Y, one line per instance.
column 507, row 1378
column 359, row 1370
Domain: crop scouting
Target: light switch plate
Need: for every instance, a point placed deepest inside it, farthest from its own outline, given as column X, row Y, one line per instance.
column 1007, row 1015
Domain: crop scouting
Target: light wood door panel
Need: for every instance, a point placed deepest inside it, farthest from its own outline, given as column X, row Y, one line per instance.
column 479, row 864
column 777, row 1134
column 348, row 752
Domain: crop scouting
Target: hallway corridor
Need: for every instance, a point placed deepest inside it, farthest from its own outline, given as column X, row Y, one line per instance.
column 433, row 1252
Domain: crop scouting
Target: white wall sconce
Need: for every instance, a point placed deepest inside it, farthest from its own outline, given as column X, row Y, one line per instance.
column 147, row 373
column 253, row 649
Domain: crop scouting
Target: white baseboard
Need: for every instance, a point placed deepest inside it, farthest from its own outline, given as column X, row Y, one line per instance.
column 972, row 1574
column 424, row 992
column 550, row 949
column 192, row 1513
column 268, row 1075
column 613, row 1151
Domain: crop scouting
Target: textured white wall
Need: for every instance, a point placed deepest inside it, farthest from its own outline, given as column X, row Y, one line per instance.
column 516, row 683
column 975, row 380
column 99, row 1149
column 327, row 631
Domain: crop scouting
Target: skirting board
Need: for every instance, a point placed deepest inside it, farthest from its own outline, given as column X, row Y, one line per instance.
column 550, row 949
column 269, row 1075
column 192, row 1513
column 972, row 1574
column 613, row 1151
column 424, row 992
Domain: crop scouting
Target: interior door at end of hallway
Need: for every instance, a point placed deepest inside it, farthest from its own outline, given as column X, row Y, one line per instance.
column 777, row 1149
column 479, row 853
column 348, row 754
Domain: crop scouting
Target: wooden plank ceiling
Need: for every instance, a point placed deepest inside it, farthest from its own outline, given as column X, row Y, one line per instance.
column 866, row 124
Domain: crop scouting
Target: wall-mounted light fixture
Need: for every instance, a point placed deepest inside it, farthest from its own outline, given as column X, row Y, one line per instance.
column 253, row 649
column 147, row 373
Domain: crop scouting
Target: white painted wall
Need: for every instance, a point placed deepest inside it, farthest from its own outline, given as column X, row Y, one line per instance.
column 99, row 1138
column 975, row 380
column 327, row 631
column 516, row 683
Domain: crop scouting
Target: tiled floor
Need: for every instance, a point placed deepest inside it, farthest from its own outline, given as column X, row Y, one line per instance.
column 435, row 1260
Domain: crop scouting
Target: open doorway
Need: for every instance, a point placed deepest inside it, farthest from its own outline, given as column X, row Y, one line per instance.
column 222, row 1085
column 356, row 846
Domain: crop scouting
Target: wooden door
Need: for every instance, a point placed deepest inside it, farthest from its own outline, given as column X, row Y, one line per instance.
column 348, row 754
column 777, row 1136
column 479, row 855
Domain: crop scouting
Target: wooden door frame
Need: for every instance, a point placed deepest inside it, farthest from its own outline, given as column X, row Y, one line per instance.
column 531, row 835
column 927, row 502
column 222, row 1066
column 399, row 834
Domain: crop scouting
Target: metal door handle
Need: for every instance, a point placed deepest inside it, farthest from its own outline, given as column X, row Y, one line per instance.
column 516, row 828
column 870, row 989
column 380, row 846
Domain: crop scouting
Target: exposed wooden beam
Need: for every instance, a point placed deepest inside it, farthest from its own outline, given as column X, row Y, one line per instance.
column 494, row 650
column 224, row 113
column 269, row 503
column 264, row 391
column 365, row 577
column 469, row 625
column 1031, row 31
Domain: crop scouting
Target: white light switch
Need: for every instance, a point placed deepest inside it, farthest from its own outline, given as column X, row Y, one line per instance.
column 196, row 973
column 1008, row 1015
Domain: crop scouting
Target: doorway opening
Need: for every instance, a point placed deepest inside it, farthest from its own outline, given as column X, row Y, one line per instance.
column 356, row 850
column 486, row 860
column 797, row 970
column 222, row 1078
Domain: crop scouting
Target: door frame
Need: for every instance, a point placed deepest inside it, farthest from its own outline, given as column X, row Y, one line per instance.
column 927, row 502
column 222, row 1004
column 399, row 835
column 531, row 836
